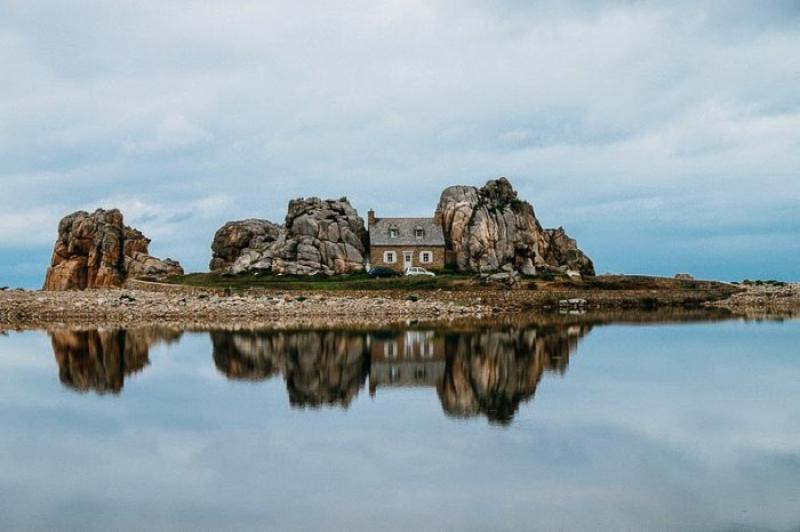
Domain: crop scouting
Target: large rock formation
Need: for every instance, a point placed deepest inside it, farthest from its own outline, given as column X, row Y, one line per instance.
column 253, row 238
column 319, row 236
column 98, row 250
column 491, row 229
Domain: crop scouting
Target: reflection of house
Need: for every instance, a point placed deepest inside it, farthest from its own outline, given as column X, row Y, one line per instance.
column 400, row 243
column 409, row 358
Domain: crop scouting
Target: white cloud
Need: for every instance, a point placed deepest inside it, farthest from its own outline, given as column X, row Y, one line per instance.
column 578, row 103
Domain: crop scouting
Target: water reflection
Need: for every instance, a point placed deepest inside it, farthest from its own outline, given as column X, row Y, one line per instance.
column 492, row 372
column 476, row 369
column 204, row 437
column 319, row 367
column 486, row 370
column 100, row 360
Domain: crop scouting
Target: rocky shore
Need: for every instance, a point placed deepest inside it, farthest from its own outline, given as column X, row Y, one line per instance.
column 764, row 298
column 142, row 303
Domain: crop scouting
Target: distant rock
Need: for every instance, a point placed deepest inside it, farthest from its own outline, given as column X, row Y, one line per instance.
column 560, row 251
column 684, row 277
column 490, row 229
column 319, row 237
column 98, row 251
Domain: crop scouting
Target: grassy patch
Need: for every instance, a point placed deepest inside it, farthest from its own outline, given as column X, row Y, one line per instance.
column 356, row 281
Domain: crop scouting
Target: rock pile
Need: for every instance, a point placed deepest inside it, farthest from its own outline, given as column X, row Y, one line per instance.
column 491, row 229
column 98, row 250
column 319, row 236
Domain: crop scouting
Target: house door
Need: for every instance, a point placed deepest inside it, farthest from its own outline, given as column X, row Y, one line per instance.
column 408, row 256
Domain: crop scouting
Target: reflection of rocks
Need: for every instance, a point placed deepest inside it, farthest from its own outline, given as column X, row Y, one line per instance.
column 490, row 372
column 320, row 367
column 484, row 372
column 100, row 360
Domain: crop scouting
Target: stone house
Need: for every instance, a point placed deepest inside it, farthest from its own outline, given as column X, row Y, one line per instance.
column 399, row 243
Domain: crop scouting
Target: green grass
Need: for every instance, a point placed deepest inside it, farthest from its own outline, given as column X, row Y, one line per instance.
column 355, row 281
column 445, row 280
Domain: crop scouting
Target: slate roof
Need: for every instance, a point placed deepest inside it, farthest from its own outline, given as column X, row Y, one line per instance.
column 379, row 232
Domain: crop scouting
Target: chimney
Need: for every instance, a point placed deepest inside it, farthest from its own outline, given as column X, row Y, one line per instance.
column 370, row 218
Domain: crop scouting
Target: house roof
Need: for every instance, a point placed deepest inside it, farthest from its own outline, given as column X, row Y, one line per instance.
column 379, row 232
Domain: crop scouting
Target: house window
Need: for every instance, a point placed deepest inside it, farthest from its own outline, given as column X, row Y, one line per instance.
column 419, row 233
column 389, row 257
column 427, row 349
column 390, row 350
column 393, row 232
column 426, row 257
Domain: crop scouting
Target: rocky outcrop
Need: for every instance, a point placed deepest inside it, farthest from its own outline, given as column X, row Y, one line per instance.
column 253, row 238
column 98, row 250
column 319, row 236
column 560, row 251
column 491, row 229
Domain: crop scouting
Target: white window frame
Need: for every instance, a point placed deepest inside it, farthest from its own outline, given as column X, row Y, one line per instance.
column 390, row 350
column 419, row 233
column 394, row 232
column 389, row 257
column 423, row 254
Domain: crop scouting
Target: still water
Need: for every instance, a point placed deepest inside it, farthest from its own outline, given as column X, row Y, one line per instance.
column 563, row 424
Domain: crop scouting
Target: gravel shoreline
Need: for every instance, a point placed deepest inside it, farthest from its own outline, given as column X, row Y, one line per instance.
column 765, row 298
column 145, row 303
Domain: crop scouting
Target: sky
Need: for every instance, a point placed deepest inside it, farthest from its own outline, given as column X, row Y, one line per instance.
column 665, row 137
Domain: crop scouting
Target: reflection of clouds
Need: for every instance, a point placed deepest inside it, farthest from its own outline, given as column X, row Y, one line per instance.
column 607, row 448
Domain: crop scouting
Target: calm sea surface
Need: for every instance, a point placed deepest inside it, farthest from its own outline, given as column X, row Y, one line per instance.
column 560, row 425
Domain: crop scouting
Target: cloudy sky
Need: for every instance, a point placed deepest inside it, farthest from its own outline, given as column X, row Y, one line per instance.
column 664, row 136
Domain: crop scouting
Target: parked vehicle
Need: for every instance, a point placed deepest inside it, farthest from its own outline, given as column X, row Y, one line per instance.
column 382, row 272
column 416, row 270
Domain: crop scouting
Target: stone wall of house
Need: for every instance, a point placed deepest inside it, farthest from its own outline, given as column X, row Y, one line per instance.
column 376, row 257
